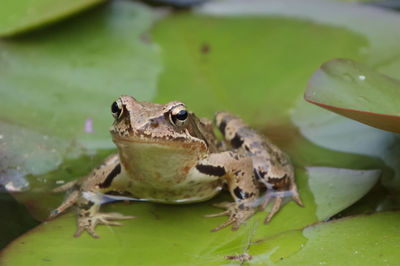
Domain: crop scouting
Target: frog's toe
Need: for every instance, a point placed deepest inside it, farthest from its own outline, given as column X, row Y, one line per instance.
column 278, row 196
column 224, row 213
column 89, row 223
column 297, row 199
column 295, row 194
column 266, row 200
column 90, row 231
column 116, row 216
column 275, row 209
column 238, row 214
column 231, row 220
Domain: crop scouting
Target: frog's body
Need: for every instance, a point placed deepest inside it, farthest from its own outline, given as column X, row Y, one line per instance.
column 168, row 155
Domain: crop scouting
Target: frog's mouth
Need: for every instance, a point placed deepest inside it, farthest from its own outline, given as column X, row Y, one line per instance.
column 166, row 138
column 177, row 142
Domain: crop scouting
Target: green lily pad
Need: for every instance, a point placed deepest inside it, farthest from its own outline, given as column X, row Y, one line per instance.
column 332, row 195
column 356, row 91
column 168, row 231
column 364, row 240
column 334, row 132
column 23, row 15
column 251, row 65
column 49, row 80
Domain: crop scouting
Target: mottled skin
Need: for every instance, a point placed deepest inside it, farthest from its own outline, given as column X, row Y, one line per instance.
column 166, row 154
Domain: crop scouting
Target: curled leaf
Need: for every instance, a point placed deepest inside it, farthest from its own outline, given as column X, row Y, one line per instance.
column 356, row 91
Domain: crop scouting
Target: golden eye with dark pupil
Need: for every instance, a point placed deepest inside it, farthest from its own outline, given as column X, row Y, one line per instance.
column 181, row 115
column 116, row 110
column 178, row 116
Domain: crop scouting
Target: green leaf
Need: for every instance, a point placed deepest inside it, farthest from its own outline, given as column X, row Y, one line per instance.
column 169, row 230
column 356, row 91
column 336, row 189
column 364, row 240
column 50, row 81
column 22, row 15
column 333, row 132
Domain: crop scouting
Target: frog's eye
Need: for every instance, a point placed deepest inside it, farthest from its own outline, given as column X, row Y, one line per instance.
column 116, row 109
column 178, row 116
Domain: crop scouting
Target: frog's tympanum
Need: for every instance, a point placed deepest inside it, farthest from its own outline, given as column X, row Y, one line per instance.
column 166, row 154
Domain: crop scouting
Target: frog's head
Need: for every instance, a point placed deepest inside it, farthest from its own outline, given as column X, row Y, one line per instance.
column 137, row 121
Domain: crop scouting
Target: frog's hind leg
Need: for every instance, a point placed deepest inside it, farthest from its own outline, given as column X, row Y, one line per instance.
column 279, row 196
column 272, row 166
column 237, row 170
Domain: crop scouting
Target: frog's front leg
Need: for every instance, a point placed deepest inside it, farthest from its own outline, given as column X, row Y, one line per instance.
column 99, row 181
column 237, row 170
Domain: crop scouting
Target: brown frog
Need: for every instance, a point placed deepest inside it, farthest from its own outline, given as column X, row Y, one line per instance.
column 166, row 154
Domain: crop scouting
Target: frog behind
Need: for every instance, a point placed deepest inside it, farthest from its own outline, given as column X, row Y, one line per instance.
column 166, row 154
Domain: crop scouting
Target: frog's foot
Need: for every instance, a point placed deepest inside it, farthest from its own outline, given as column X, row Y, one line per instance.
column 89, row 223
column 71, row 199
column 237, row 212
column 295, row 195
column 279, row 196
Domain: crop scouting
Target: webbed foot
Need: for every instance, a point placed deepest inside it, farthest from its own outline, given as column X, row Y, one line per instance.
column 89, row 223
column 237, row 212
